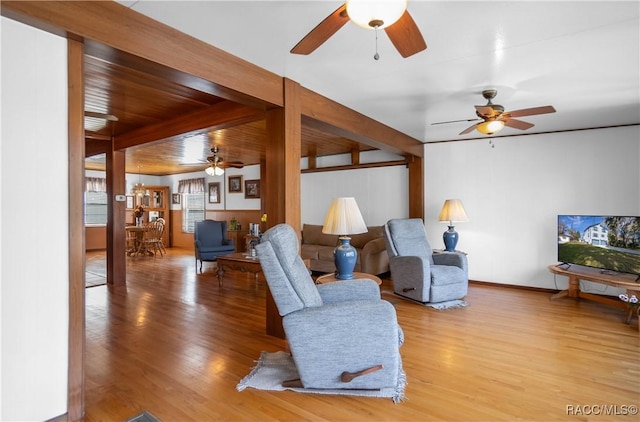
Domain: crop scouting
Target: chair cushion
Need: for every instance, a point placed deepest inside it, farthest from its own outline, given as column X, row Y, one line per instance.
column 223, row 248
column 409, row 238
column 447, row 274
column 284, row 242
column 210, row 232
column 284, row 295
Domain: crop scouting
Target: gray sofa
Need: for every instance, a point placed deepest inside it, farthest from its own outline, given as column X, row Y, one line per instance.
column 318, row 248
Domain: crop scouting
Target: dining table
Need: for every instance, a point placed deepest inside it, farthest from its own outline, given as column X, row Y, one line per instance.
column 138, row 247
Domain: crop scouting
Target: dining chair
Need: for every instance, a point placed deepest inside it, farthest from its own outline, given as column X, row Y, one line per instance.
column 131, row 242
column 152, row 238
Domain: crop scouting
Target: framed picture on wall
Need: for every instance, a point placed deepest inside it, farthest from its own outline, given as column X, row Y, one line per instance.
column 175, row 198
column 129, row 202
column 252, row 188
column 235, row 184
column 214, row 193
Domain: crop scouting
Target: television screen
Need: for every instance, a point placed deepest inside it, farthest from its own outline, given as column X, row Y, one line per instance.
column 611, row 243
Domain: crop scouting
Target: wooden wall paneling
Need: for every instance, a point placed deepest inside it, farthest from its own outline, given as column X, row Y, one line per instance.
column 75, row 388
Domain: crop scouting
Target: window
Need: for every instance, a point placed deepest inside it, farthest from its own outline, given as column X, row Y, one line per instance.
column 192, row 210
column 95, row 207
column 95, row 201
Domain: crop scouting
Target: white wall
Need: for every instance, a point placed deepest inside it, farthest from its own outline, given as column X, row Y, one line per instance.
column 34, row 208
column 514, row 191
column 381, row 193
column 228, row 201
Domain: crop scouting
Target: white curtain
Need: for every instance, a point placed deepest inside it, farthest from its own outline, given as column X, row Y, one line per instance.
column 96, row 184
column 191, row 185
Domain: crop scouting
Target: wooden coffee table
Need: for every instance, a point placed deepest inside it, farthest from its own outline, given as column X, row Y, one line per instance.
column 331, row 277
column 251, row 264
column 240, row 262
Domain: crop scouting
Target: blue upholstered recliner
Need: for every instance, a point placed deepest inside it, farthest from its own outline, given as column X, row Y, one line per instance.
column 210, row 240
column 417, row 272
column 341, row 335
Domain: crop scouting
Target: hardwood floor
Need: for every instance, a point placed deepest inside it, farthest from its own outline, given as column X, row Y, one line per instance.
column 175, row 344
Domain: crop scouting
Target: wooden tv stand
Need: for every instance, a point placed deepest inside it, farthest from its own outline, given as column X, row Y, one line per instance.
column 610, row 278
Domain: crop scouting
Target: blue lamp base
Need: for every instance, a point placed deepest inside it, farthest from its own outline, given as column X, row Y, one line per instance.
column 345, row 257
column 450, row 238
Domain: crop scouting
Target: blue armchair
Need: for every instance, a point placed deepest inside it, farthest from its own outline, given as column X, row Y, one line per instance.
column 417, row 272
column 341, row 335
column 210, row 240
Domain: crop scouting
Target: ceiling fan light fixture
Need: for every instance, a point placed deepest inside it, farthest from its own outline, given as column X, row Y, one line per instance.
column 214, row 171
column 490, row 127
column 375, row 14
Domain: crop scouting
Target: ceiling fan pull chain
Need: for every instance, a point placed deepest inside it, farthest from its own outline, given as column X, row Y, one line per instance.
column 376, row 56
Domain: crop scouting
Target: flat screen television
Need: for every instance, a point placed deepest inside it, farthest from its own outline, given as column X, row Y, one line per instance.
column 611, row 243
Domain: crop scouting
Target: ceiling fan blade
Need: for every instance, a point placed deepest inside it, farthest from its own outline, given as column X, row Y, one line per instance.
column 517, row 124
column 405, row 36
column 469, row 129
column 322, row 32
column 234, row 164
column 486, row 111
column 455, row 121
column 531, row 111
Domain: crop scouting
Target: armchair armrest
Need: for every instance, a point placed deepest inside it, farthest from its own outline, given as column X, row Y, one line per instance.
column 348, row 290
column 323, row 346
column 227, row 242
column 456, row 259
column 409, row 267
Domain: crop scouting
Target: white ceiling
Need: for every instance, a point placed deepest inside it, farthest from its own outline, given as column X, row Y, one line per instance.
column 580, row 57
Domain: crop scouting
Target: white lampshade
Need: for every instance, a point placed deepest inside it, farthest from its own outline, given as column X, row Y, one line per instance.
column 372, row 13
column 453, row 211
column 344, row 218
column 490, row 127
column 214, row 171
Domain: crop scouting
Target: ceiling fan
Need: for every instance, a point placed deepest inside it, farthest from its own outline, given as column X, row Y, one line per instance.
column 217, row 164
column 494, row 118
column 392, row 16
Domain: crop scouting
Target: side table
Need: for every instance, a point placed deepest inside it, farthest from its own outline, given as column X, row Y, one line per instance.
column 331, row 277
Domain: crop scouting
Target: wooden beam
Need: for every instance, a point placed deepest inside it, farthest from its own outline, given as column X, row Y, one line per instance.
column 116, row 183
column 120, row 28
column 93, row 147
column 354, row 167
column 416, row 187
column 75, row 372
column 329, row 116
column 282, row 175
column 355, row 157
column 218, row 116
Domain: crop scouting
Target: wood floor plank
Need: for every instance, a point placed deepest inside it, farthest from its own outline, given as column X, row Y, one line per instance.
column 174, row 343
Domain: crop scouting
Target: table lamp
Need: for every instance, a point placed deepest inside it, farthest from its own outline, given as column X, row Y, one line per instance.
column 344, row 218
column 452, row 211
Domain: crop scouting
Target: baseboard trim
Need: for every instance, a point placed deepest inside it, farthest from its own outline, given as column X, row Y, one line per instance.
column 512, row 286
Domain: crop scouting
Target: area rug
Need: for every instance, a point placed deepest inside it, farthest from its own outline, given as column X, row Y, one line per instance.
column 143, row 417
column 272, row 369
column 449, row 304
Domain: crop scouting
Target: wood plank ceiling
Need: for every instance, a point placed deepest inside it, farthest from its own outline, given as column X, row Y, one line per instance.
column 140, row 95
